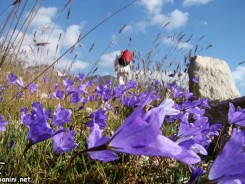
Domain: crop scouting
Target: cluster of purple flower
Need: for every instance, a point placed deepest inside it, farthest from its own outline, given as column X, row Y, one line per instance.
column 13, row 79
column 3, row 123
column 141, row 132
column 229, row 166
column 195, row 131
column 40, row 130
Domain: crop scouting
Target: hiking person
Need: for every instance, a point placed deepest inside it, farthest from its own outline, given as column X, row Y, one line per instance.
column 122, row 66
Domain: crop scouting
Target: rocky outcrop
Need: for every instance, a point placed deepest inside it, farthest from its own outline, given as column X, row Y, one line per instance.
column 218, row 112
column 215, row 79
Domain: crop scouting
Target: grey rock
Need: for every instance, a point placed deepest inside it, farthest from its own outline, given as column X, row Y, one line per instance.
column 218, row 113
column 215, row 79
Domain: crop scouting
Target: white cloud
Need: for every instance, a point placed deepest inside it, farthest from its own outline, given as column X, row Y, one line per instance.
column 239, row 76
column 176, row 18
column 74, row 67
column 170, row 1
column 204, row 23
column 155, row 16
column 44, row 16
column 107, row 60
column 128, row 29
column 105, row 73
column 32, row 54
column 185, row 45
column 135, row 27
column 71, row 34
column 160, row 19
column 80, row 64
column 44, row 19
column 174, row 42
column 142, row 25
column 138, row 26
column 187, row 3
column 153, row 6
column 47, row 54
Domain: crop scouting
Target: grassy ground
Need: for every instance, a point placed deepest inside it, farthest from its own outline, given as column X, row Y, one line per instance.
column 42, row 164
column 39, row 162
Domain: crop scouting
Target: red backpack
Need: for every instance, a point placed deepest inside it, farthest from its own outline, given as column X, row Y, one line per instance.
column 126, row 58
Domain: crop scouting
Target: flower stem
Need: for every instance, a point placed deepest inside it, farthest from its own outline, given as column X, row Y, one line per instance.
column 28, row 146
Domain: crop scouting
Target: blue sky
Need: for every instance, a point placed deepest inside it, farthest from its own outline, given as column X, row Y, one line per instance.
column 220, row 21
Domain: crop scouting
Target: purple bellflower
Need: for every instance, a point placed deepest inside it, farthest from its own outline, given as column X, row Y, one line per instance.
column 152, row 97
column 214, row 130
column 3, row 123
column 195, row 174
column 179, row 116
column 177, row 92
column 23, row 111
column 69, row 90
column 229, row 167
column 156, row 83
column 204, row 103
column 11, row 78
column 64, row 142
column 96, row 140
column 81, row 88
column 56, row 86
column 99, row 117
column 188, row 95
column 130, row 101
column 37, row 123
column 75, row 98
column 89, row 83
column 118, row 91
column 11, row 145
column 32, row 87
column 83, row 100
column 68, row 82
column 96, row 80
column 236, row 117
column 20, row 82
column 59, row 94
column 192, row 131
column 81, row 76
column 131, row 84
column 104, row 92
column 61, row 116
column 45, row 79
column 91, row 98
column 195, row 79
column 191, row 104
column 196, row 112
column 197, row 135
column 19, row 95
column 171, row 85
column 140, row 134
